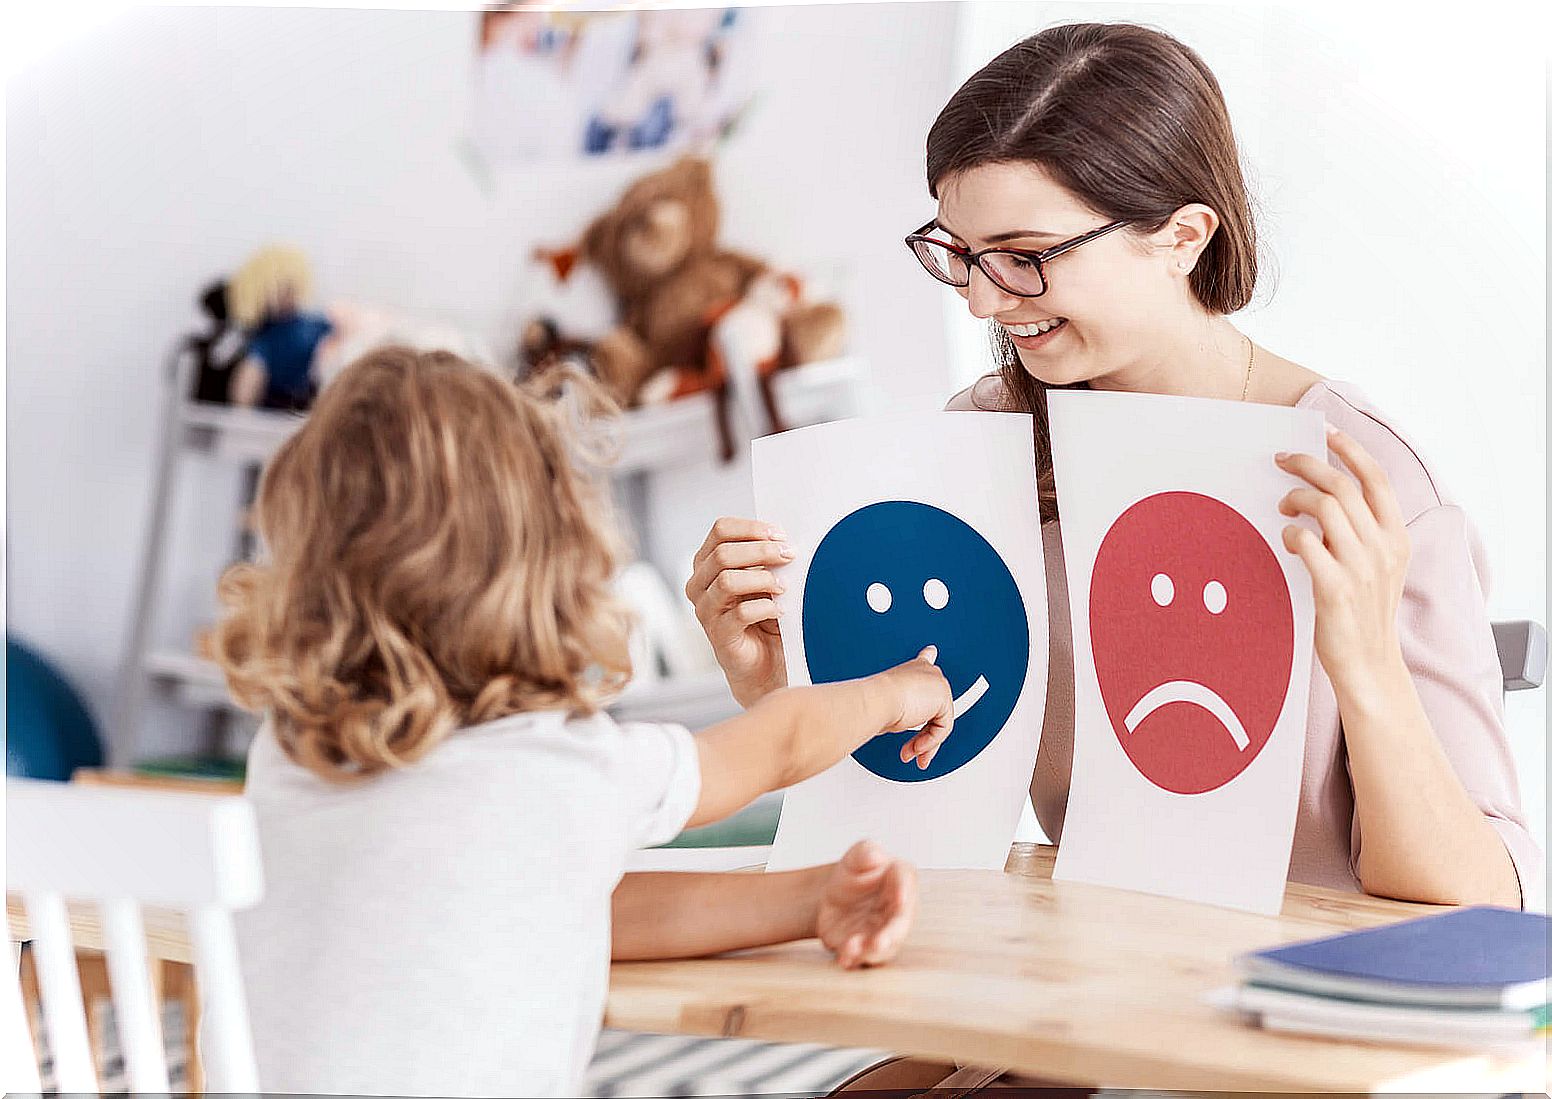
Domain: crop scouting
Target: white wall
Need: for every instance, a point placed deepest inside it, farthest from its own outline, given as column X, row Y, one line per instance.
column 154, row 151
column 158, row 148
column 1399, row 162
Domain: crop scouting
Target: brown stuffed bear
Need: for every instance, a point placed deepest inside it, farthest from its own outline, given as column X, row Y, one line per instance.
column 657, row 252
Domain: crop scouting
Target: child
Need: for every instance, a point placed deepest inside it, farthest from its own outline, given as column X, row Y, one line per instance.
column 444, row 811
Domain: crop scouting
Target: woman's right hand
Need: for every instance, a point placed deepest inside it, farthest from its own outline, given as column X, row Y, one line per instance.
column 733, row 588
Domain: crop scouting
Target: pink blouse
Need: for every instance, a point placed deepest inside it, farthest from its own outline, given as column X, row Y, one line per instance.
column 1446, row 639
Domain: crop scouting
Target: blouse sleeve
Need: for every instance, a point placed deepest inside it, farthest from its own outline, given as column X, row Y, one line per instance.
column 1447, row 642
column 985, row 394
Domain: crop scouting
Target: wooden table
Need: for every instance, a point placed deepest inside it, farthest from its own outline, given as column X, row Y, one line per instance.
column 1069, row 982
column 1072, row 983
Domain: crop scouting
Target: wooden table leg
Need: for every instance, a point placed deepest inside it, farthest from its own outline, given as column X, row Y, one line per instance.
column 31, row 1002
column 93, row 969
column 180, row 984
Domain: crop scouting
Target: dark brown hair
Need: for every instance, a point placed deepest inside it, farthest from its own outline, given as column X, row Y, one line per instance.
column 1133, row 123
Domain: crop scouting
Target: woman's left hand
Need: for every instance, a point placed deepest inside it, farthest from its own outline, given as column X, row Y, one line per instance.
column 1357, row 563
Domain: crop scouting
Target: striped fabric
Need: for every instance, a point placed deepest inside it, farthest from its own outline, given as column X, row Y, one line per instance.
column 626, row 1063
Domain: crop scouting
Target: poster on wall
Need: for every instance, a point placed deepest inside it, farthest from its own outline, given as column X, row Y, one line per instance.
column 1192, row 640
column 909, row 531
column 552, row 85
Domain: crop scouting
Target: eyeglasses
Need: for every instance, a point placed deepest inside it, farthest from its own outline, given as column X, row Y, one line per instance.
column 1014, row 271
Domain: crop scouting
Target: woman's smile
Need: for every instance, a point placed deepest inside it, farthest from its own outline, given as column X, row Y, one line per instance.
column 1036, row 337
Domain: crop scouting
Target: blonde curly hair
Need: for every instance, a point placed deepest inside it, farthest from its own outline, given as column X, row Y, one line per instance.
column 438, row 557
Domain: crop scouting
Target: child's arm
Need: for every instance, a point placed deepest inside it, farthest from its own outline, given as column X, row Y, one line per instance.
column 860, row 907
column 795, row 732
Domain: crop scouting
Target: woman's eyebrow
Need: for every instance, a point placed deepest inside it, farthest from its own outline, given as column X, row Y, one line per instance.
column 1019, row 234
column 1016, row 234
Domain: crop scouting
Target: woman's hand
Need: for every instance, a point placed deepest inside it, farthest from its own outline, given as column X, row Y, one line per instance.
column 733, row 589
column 866, row 905
column 915, row 695
column 1358, row 562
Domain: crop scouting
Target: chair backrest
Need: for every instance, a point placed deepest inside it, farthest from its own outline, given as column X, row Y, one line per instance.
column 123, row 849
column 1522, row 654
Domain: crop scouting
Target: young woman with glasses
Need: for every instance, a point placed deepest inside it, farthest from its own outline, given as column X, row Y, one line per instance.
column 1091, row 207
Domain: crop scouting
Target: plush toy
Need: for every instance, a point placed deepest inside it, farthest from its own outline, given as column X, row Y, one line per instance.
column 691, row 316
column 216, row 351
column 268, row 297
column 575, row 310
column 359, row 327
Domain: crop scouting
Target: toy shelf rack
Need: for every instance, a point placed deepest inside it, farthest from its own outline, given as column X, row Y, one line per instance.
column 679, row 434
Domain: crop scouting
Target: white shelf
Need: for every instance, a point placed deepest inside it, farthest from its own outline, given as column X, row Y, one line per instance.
column 695, row 701
column 192, row 680
column 678, row 433
column 236, row 434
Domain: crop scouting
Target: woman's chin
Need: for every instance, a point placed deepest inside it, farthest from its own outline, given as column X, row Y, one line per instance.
column 1066, row 370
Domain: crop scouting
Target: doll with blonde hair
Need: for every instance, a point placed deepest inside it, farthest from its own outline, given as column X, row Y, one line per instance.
column 445, row 810
column 269, row 298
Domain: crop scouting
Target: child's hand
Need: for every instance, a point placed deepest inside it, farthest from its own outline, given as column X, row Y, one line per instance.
column 866, row 906
column 917, row 696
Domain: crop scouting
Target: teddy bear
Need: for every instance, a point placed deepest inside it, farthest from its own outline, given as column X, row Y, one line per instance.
column 690, row 316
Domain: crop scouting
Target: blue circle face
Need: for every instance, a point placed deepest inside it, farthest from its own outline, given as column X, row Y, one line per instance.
column 894, row 577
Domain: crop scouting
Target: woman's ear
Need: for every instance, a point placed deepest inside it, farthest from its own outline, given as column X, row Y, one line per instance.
column 1187, row 233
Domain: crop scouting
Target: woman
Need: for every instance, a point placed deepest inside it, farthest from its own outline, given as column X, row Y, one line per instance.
column 1091, row 206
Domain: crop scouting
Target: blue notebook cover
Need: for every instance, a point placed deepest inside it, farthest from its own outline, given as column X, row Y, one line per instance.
column 1469, row 948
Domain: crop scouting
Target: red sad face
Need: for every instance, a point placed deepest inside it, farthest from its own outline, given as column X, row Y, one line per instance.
column 1192, row 627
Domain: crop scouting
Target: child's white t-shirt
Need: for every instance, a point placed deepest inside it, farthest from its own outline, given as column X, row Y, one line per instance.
column 445, row 929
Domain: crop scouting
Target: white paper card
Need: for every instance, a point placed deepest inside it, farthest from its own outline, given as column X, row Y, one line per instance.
column 1192, row 637
column 913, row 530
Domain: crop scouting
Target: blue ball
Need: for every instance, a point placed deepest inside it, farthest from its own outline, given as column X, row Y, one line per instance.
column 48, row 730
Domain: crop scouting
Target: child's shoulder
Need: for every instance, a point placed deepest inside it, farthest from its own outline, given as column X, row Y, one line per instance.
column 531, row 741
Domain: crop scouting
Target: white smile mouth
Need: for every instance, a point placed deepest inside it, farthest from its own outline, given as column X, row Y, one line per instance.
column 971, row 696
column 1184, row 690
column 1038, row 328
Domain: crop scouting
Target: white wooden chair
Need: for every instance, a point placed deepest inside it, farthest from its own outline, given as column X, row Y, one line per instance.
column 123, row 849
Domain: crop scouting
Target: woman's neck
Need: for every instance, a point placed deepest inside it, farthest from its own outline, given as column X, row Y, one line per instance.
column 1205, row 357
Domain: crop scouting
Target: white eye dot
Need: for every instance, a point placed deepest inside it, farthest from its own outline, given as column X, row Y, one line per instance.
column 879, row 597
column 1163, row 589
column 935, row 592
column 1214, row 597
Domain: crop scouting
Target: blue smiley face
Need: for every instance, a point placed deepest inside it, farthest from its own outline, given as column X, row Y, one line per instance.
column 894, row 577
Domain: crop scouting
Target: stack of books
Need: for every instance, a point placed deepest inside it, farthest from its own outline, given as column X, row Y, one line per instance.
column 1473, row 977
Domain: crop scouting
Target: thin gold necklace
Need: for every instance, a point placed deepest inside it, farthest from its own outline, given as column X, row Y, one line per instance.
column 1248, row 368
